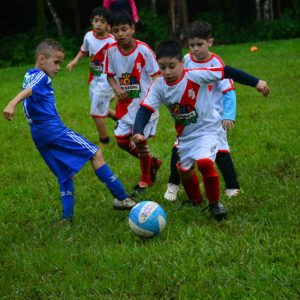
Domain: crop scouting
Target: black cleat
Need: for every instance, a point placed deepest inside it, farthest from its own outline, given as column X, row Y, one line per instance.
column 218, row 211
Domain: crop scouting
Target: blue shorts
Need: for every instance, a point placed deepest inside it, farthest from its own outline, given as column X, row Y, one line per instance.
column 66, row 155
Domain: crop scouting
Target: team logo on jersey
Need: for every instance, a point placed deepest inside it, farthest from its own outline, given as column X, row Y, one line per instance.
column 184, row 115
column 131, row 85
column 96, row 67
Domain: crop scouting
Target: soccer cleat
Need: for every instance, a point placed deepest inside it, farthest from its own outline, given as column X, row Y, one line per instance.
column 155, row 165
column 218, row 211
column 232, row 192
column 139, row 189
column 171, row 192
column 104, row 140
column 126, row 204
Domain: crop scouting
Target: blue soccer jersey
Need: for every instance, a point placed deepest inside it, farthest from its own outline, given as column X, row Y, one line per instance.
column 40, row 108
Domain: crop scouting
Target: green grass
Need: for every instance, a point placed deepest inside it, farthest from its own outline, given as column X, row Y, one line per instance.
column 252, row 255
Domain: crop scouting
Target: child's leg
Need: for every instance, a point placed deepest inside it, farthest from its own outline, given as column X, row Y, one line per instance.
column 210, row 179
column 110, row 180
column 125, row 144
column 101, row 128
column 174, row 178
column 212, row 187
column 67, row 198
column 145, row 163
column 190, row 182
column 174, row 175
column 225, row 164
column 112, row 114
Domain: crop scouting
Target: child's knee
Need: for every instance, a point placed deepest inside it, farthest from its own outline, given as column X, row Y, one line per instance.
column 186, row 174
column 98, row 157
column 207, row 167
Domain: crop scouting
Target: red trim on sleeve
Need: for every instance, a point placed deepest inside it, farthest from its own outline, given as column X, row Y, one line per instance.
column 148, row 107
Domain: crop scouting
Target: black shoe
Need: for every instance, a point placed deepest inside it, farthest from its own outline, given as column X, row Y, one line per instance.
column 104, row 140
column 138, row 190
column 218, row 211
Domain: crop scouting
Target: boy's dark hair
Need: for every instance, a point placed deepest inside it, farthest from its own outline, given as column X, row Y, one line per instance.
column 121, row 18
column 101, row 12
column 47, row 46
column 200, row 29
column 170, row 48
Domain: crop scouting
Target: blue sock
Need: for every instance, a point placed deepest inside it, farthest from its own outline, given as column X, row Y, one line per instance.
column 114, row 185
column 67, row 199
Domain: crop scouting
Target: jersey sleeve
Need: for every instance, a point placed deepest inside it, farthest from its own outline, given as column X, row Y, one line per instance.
column 229, row 105
column 206, row 75
column 152, row 67
column 153, row 97
column 85, row 45
column 38, row 84
column 108, row 63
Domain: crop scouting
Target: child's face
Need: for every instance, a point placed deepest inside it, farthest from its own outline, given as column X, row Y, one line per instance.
column 200, row 47
column 171, row 68
column 123, row 33
column 100, row 25
column 51, row 65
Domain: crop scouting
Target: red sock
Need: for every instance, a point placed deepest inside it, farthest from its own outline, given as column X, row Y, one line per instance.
column 210, row 179
column 192, row 188
column 145, row 162
column 127, row 145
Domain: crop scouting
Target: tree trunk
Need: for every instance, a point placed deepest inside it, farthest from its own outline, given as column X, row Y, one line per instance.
column 153, row 7
column 179, row 20
column 56, row 18
column 41, row 18
column 74, row 5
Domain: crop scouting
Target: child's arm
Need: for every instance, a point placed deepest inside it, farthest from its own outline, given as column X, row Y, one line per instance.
column 76, row 59
column 122, row 95
column 229, row 109
column 246, row 79
column 141, row 120
column 9, row 110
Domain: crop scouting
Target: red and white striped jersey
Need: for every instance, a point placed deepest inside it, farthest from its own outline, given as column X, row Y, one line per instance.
column 189, row 101
column 96, row 48
column 218, row 88
column 133, row 72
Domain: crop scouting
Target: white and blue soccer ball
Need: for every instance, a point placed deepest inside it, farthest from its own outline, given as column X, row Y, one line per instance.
column 147, row 219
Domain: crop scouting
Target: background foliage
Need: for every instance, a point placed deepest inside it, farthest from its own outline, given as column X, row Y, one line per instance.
column 234, row 21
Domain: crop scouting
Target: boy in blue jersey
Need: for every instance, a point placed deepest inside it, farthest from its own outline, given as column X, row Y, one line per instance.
column 63, row 150
column 200, row 39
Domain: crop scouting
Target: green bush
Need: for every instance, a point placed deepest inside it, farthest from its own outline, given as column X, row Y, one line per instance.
column 19, row 49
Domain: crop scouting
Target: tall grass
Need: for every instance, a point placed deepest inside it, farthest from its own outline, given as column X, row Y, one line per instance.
column 254, row 254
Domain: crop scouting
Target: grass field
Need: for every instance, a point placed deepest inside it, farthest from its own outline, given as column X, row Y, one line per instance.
column 254, row 254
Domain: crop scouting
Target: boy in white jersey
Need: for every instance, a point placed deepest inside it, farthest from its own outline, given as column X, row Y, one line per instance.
column 186, row 93
column 63, row 150
column 200, row 40
column 95, row 44
column 130, row 66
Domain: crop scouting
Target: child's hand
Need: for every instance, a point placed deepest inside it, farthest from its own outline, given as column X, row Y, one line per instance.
column 9, row 112
column 122, row 95
column 227, row 124
column 263, row 88
column 71, row 65
column 137, row 138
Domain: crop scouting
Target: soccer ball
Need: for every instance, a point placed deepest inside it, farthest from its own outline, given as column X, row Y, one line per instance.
column 147, row 219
